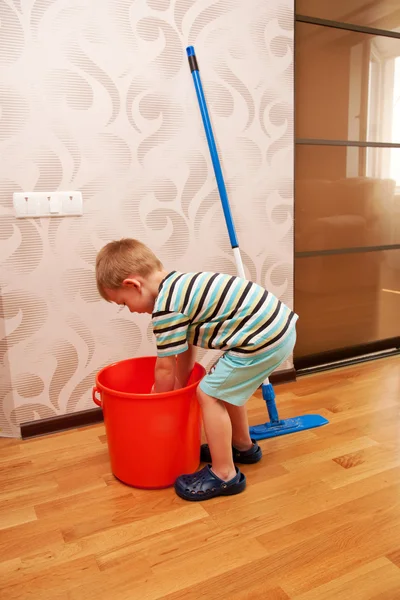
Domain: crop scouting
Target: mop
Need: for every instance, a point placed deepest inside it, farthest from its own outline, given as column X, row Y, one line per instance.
column 275, row 426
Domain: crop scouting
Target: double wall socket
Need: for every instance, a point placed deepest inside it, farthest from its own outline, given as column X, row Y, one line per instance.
column 47, row 204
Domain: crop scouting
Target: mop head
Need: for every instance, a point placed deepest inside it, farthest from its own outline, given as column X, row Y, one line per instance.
column 285, row 426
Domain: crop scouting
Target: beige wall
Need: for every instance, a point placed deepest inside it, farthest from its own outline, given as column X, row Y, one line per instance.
column 98, row 97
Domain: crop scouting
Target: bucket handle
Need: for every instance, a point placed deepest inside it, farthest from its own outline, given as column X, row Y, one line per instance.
column 96, row 400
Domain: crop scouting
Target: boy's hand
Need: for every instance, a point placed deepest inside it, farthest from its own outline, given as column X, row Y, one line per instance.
column 177, row 386
column 164, row 375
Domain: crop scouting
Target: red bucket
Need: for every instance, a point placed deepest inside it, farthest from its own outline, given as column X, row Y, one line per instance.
column 152, row 438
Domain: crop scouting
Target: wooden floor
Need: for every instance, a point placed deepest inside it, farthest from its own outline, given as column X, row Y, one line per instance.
column 320, row 519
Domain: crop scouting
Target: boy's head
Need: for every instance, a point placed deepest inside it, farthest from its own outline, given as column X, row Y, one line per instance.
column 128, row 273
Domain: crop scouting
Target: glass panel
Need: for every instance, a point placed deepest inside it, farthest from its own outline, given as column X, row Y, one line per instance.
column 346, row 197
column 382, row 14
column 346, row 300
column 347, row 85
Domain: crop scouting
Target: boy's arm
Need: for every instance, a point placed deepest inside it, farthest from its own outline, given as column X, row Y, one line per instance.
column 170, row 330
column 164, row 374
column 185, row 364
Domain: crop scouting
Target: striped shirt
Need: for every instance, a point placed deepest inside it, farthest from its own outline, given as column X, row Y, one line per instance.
column 219, row 312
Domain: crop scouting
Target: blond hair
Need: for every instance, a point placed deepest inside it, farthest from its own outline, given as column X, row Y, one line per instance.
column 122, row 259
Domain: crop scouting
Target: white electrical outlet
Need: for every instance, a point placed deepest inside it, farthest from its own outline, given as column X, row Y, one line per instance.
column 47, row 204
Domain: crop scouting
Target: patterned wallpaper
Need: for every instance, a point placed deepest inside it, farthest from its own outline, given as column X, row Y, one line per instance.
column 97, row 96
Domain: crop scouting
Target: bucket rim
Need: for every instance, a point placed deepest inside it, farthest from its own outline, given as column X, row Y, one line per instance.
column 156, row 396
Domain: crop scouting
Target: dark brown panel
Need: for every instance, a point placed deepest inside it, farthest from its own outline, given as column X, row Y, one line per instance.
column 347, row 85
column 346, row 300
column 346, row 197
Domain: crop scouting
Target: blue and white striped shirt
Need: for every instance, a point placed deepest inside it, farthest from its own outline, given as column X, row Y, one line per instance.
column 219, row 312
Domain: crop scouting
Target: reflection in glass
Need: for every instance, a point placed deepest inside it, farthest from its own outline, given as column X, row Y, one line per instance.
column 347, row 85
column 381, row 14
column 346, row 197
column 346, row 300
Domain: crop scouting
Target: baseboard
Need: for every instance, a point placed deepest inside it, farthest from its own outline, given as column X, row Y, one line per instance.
column 285, row 376
column 359, row 353
column 95, row 415
column 54, row 424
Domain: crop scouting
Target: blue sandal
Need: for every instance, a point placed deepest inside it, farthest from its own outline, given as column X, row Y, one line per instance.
column 244, row 457
column 204, row 485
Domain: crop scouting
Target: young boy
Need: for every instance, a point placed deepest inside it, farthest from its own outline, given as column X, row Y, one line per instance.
column 254, row 329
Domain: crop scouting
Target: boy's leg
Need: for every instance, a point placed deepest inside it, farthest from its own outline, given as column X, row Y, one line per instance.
column 218, row 430
column 240, row 426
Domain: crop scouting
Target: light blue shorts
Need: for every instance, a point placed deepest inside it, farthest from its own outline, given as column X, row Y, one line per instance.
column 234, row 379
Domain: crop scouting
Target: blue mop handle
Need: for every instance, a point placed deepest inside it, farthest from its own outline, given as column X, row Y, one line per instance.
column 212, row 146
column 194, row 67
